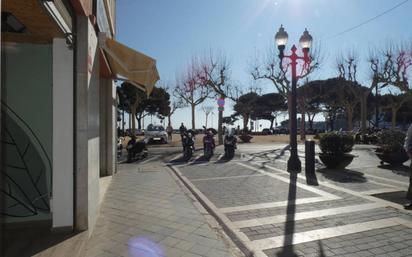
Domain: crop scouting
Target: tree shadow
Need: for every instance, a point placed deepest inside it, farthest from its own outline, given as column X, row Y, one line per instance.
column 343, row 176
column 398, row 170
column 288, row 249
column 265, row 154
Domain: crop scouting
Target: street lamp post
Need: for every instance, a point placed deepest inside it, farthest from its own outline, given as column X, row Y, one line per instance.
column 305, row 42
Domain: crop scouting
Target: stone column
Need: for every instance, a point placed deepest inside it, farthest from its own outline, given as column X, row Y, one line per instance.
column 87, row 132
column 108, row 129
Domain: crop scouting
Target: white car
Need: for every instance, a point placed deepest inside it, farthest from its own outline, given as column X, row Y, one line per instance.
column 155, row 133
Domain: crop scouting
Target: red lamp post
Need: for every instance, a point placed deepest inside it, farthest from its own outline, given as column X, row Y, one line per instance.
column 305, row 42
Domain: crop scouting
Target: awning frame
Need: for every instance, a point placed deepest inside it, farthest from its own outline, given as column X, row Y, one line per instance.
column 148, row 72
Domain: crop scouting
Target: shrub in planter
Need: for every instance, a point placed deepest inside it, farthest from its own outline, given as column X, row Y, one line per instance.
column 336, row 148
column 245, row 138
column 390, row 147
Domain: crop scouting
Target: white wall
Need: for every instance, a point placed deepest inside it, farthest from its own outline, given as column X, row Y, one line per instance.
column 62, row 201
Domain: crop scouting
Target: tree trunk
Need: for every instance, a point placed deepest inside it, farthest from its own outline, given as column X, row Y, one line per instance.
column 139, row 122
column 271, row 122
column 350, row 118
column 363, row 113
column 206, row 120
column 133, row 115
column 220, row 121
column 332, row 122
column 220, row 129
column 245, row 121
column 130, row 121
column 394, row 114
column 193, row 116
column 302, row 122
column 123, row 122
column 310, row 120
column 169, row 120
column 289, row 109
column 302, row 127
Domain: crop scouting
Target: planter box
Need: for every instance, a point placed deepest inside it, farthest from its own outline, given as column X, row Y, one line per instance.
column 393, row 158
column 336, row 161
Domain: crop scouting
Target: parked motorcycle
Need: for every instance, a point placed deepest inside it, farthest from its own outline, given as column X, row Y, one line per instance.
column 188, row 144
column 119, row 146
column 208, row 145
column 230, row 145
column 136, row 150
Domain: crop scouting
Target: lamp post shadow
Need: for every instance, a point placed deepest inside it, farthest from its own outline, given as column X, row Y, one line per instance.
column 287, row 250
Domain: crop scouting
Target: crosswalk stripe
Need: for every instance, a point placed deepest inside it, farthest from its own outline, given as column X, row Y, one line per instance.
column 324, row 233
column 306, row 215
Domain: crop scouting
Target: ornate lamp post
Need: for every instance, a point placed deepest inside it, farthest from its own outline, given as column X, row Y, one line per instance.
column 305, row 42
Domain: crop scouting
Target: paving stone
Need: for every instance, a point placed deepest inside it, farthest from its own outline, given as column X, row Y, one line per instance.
column 149, row 212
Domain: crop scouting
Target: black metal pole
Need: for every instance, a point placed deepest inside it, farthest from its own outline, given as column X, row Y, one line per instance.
column 294, row 164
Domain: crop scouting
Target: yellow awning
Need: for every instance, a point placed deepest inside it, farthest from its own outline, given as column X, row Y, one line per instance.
column 130, row 65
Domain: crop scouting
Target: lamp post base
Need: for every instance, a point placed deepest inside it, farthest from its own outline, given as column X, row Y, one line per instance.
column 294, row 165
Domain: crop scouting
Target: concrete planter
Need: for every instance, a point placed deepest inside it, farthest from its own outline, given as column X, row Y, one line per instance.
column 336, row 161
column 395, row 158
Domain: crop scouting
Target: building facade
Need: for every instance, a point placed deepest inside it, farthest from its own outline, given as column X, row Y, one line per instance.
column 59, row 64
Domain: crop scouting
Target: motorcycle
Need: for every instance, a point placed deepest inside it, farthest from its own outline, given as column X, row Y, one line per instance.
column 136, row 150
column 230, row 146
column 119, row 146
column 188, row 145
column 208, row 145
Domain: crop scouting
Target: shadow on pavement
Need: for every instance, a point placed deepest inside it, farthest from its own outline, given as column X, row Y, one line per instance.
column 399, row 170
column 39, row 241
column 312, row 180
column 321, row 252
column 288, row 250
column 343, row 176
column 266, row 154
column 398, row 197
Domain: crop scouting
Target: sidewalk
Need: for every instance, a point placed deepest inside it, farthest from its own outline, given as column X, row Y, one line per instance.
column 147, row 213
column 272, row 212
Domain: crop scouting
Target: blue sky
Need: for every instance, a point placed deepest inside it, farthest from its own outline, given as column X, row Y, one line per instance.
column 173, row 31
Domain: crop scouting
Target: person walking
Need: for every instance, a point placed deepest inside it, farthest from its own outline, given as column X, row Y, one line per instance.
column 169, row 131
column 182, row 128
column 408, row 149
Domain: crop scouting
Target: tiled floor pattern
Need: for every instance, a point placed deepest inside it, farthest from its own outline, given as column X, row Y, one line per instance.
column 274, row 217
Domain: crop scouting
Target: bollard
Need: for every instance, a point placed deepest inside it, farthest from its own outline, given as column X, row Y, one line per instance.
column 310, row 157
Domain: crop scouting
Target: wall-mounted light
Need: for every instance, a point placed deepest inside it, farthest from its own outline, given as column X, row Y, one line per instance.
column 9, row 23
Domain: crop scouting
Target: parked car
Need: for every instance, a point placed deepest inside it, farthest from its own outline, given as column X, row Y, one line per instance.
column 280, row 130
column 266, row 131
column 155, row 133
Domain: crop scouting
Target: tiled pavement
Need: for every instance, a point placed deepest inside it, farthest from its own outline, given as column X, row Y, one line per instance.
column 275, row 214
column 146, row 213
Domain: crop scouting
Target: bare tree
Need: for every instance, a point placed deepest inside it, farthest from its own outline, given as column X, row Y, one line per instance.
column 215, row 74
column 271, row 68
column 191, row 89
column 394, row 102
column 350, row 92
column 207, row 109
column 388, row 68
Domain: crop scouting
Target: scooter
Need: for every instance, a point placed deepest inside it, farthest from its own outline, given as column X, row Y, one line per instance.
column 188, row 145
column 230, row 146
column 208, row 145
column 119, row 146
column 136, row 150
